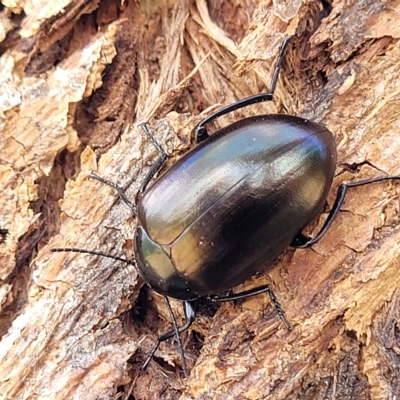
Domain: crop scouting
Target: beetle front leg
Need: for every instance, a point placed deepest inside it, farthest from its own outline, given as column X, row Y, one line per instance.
column 159, row 162
column 189, row 318
column 119, row 189
column 255, row 292
column 153, row 170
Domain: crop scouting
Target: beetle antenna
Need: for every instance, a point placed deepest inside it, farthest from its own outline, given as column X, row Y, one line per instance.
column 94, row 253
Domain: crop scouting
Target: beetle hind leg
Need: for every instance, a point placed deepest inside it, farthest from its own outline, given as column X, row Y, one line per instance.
column 255, row 292
column 302, row 241
column 200, row 131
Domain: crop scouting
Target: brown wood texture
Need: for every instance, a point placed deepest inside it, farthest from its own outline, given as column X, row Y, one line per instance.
column 76, row 77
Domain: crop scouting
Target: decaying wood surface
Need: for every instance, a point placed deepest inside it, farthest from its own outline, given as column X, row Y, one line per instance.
column 75, row 79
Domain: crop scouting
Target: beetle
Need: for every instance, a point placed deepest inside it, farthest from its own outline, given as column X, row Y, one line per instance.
column 230, row 206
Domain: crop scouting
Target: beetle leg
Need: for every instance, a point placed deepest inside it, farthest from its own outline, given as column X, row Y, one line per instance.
column 255, row 292
column 159, row 162
column 189, row 318
column 302, row 241
column 200, row 131
column 121, row 192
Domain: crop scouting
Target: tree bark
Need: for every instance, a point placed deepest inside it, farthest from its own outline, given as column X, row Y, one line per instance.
column 76, row 79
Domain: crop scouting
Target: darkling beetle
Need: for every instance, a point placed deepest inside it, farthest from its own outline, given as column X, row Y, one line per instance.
column 230, row 206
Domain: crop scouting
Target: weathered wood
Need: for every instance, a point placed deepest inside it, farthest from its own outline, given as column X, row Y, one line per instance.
column 76, row 78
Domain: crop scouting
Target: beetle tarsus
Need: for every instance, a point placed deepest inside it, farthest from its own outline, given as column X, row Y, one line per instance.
column 279, row 309
column 278, row 65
